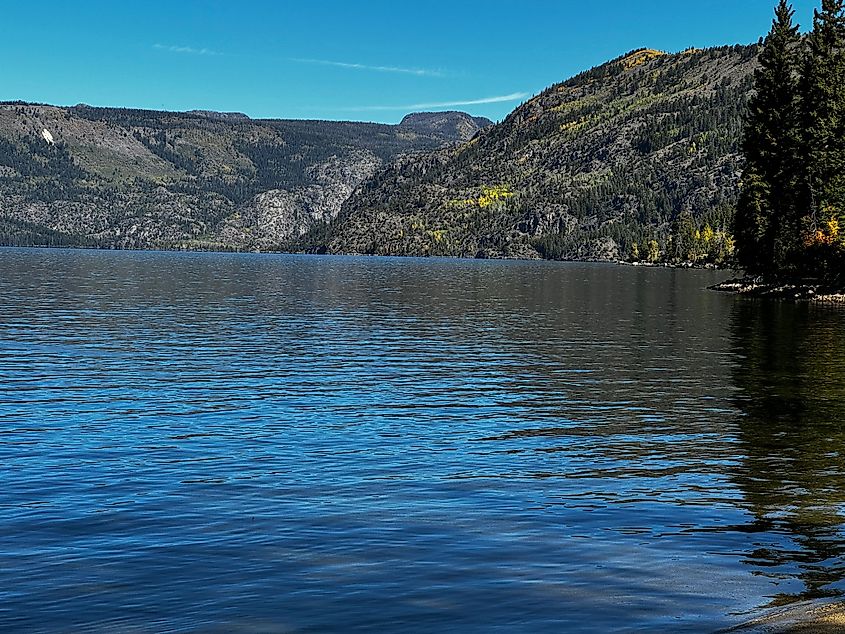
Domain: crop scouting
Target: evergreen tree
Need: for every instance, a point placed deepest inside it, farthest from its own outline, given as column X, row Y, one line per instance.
column 767, row 214
column 823, row 113
column 752, row 220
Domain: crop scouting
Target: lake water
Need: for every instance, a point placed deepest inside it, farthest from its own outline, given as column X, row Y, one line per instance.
column 205, row 442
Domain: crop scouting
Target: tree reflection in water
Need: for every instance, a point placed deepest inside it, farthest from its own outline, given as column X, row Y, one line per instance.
column 791, row 389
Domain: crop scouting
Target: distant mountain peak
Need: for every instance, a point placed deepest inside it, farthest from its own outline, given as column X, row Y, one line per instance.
column 449, row 124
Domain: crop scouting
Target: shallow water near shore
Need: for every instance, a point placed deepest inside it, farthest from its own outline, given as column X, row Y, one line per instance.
column 197, row 442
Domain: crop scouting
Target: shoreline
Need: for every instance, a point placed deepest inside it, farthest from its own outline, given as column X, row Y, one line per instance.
column 804, row 618
column 639, row 264
column 795, row 291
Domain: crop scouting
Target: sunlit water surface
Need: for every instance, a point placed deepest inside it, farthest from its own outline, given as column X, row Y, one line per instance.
column 274, row 443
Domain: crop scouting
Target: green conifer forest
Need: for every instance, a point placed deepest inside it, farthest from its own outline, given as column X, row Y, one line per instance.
column 791, row 211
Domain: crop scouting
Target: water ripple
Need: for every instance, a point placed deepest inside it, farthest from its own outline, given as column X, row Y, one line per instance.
column 196, row 442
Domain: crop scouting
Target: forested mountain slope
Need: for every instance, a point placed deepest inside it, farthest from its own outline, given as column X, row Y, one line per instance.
column 201, row 180
column 639, row 156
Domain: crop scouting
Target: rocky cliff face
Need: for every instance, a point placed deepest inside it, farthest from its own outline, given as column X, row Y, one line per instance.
column 602, row 164
column 201, row 180
column 277, row 215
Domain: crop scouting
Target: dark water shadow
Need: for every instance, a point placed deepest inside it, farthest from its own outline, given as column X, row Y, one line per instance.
column 790, row 376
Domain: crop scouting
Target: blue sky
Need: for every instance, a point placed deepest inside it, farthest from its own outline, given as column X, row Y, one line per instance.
column 367, row 60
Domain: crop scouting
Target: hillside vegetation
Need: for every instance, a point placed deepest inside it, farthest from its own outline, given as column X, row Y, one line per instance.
column 636, row 159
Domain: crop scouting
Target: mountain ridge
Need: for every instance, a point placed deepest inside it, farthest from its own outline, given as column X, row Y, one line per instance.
column 637, row 158
column 131, row 178
column 642, row 149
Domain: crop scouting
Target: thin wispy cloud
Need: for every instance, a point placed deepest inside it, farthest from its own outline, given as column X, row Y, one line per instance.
column 514, row 96
column 185, row 50
column 419, row 72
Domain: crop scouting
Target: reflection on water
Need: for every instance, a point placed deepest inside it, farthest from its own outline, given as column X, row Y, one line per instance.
column 791, row 373
column 200, row 441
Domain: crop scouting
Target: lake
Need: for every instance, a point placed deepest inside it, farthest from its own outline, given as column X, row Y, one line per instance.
column 207, row 442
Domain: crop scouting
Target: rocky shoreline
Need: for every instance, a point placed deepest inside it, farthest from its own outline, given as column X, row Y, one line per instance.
column 790, row 290
column 709, row 266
